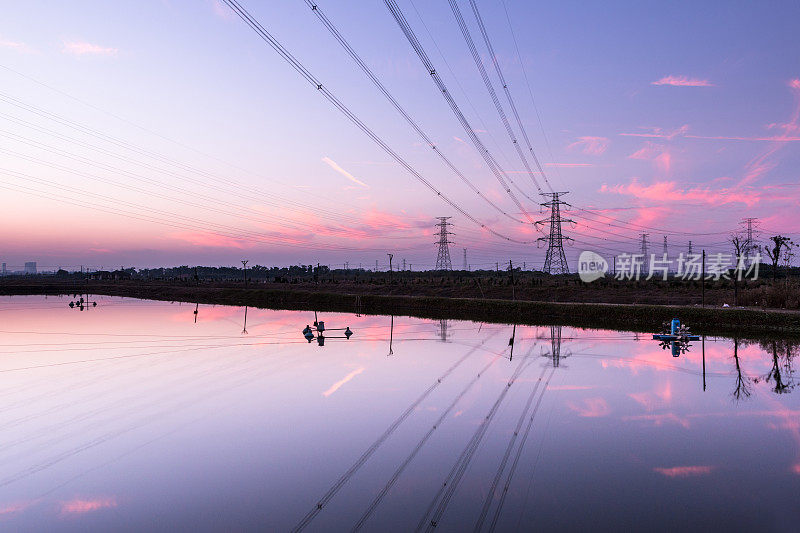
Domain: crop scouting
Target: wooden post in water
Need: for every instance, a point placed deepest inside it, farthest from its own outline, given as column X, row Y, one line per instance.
column 704, row 363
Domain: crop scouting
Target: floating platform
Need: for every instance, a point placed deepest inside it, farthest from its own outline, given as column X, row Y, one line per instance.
column 670, row 337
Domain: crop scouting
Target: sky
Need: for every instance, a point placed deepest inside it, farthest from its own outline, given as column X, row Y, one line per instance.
column 166, row 133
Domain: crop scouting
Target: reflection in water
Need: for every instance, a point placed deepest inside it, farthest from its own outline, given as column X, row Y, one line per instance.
column 135, row 416
column 742, row 381
column 443, row 336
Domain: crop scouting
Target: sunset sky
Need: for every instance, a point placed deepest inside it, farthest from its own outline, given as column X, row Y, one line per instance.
column 167, row 132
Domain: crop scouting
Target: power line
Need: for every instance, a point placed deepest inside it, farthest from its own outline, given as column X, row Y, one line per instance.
column 496, row 169
column 490, row 88
column 311, row 79
column 371, row 75
column 507, row 91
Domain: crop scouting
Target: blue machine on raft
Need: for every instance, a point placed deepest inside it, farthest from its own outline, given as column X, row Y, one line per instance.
column 678, row 332
column 677, row 339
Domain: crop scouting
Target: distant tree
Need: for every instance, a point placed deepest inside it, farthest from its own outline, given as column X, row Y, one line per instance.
column 774, row 253
column 739, row 249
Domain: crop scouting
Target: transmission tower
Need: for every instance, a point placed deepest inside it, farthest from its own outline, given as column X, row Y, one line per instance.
column 666, row 252
column 555, row 261
column 443, row 259
column 750, row 225
column 645, row 254
column 690, row 247
column 465, row 260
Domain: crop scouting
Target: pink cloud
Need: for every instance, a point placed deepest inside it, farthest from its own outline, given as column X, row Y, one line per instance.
column 16, row 507
column 591, row 145
column 82, row 48
column 684, row 471
column 336, row 386
column 591, row 408
column 660, row 419
column 14, row 45
column 670, row 191
column 210, row 240
column 658, row 154
column 660, row 133
column 79, row 506
column 682, row 81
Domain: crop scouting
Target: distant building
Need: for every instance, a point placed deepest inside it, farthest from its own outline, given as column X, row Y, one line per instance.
column 4, row 271
column 30, row 267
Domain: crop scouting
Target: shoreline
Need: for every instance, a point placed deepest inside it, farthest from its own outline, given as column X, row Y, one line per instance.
column 727, row 322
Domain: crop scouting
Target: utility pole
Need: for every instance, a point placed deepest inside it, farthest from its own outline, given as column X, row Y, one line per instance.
column 555, row 261
column 645, row 257
column 390, row 266
column 703, row 290
column 511, row 272
column 244, row 265
column 443, row 258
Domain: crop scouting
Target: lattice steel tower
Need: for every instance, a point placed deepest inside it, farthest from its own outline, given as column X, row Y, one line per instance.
column 443, row 259
column 645, row 254
column 555, row 261
column 750, row 225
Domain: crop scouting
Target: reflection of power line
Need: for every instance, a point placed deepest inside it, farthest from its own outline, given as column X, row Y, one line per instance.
column 379, row 497
column 306, row 520
column 490, row 496
column 451, row 482
column 515, row 463
column 210, row 392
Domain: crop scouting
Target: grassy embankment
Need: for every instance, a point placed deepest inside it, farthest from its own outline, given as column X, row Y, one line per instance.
column 645, row 317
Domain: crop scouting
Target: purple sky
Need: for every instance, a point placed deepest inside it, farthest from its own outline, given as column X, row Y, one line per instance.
column 166, row 133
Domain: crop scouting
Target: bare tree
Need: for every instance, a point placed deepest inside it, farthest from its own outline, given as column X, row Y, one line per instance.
column 774, row 253
column 739, row 248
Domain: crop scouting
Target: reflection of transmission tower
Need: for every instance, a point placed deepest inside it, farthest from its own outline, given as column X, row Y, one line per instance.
column 443, row 259
column 555, row 261
column 443, row 330
column 555, row 345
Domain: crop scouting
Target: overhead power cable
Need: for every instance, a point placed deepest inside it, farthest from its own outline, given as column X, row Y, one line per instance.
column 503, row 82
column 476, row 57
column 493, row 165
column 317, row 84
column 371, row 75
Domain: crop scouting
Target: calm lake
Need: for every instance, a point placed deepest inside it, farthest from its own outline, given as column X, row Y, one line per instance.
column 140, row 415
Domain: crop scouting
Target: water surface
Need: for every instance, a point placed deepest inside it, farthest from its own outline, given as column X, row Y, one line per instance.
column 137, row 415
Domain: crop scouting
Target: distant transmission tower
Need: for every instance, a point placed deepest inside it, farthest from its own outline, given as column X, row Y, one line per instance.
column 645, row 254
column 466, row 267
column 443, row 259
column 555, row 261
column 749, row 241
column 666, row 252
column 690, row 247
